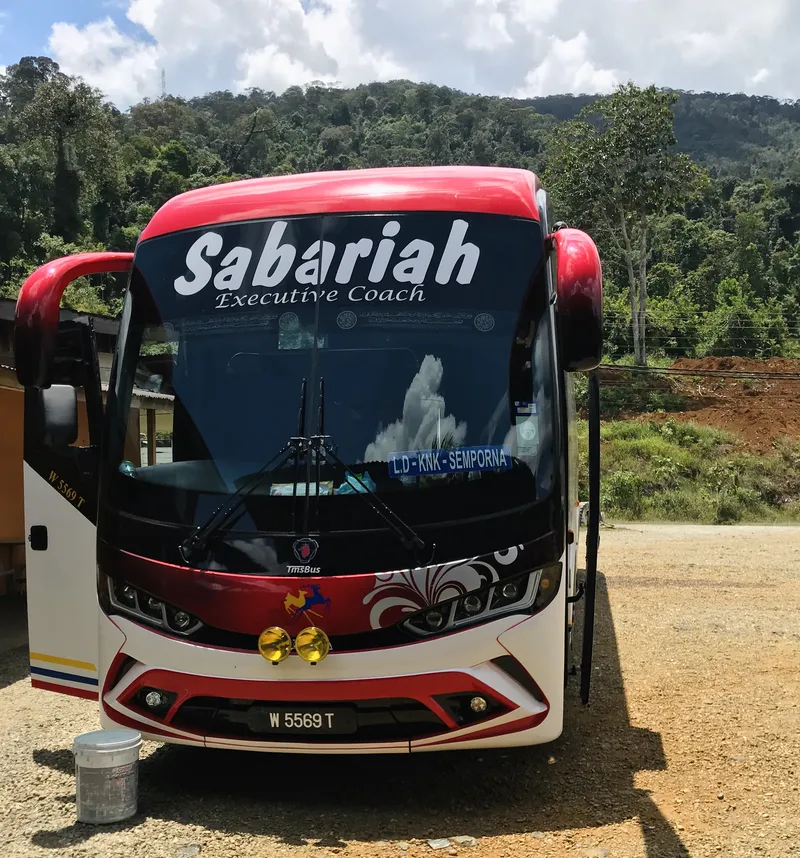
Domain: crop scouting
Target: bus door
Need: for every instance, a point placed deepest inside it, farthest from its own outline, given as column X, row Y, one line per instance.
column 57, row 365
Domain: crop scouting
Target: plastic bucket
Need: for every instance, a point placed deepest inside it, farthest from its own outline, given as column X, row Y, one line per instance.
column 107, row 774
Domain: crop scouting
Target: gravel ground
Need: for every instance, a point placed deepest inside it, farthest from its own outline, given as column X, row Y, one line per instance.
column 691, row 745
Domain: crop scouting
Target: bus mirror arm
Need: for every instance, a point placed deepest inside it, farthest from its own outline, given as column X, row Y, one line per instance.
column 38, row 310
column 592, row 536
column 571, row 600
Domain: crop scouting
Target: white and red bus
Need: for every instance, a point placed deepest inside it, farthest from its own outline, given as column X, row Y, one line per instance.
column 361, row 534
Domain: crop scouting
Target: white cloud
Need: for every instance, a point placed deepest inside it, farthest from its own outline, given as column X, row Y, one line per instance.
column 761, row 76
column 524, row 47
column 425, row 422
column 567, row 67
column 122, row 67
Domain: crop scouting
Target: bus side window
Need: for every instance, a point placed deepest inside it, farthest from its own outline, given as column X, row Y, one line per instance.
column 83, row 425
column 132, row 438
column 154, row 435
column 148, row 440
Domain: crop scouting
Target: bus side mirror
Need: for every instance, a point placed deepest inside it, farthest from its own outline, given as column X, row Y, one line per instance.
column 37, row 313
column 579, row 289
column 58, row 407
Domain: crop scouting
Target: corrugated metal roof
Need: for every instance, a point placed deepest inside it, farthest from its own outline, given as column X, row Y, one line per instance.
column 138, row 393
column 102, row 324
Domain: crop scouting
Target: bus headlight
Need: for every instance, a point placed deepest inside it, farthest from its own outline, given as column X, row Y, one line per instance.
column 133, row 602
column 527, row 593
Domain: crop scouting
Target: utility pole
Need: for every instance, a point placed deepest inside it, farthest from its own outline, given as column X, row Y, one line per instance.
column 163, row 83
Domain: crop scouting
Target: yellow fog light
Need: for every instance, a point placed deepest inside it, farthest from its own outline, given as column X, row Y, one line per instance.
column 312, row 644
column 274, row 644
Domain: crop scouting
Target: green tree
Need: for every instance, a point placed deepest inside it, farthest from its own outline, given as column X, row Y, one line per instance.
column 614, row 169
column 70, row 117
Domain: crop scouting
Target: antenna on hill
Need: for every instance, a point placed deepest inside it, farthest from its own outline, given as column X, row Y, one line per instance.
column 163, row 83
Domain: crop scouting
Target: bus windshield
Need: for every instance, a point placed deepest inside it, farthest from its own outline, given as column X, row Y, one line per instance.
column 420, row 344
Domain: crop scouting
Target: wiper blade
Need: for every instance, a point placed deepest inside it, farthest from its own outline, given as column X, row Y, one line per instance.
column 321, row 444
column 403, row 531
column 198, row 539
column 297, row 447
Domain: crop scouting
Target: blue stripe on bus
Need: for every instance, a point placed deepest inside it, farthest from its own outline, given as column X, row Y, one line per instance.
column 57, row 674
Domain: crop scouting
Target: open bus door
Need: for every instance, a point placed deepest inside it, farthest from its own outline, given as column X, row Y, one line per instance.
column 592, row 536
column 57, row 365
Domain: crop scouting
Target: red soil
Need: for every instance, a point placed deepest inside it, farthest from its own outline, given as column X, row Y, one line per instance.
column 759, row 410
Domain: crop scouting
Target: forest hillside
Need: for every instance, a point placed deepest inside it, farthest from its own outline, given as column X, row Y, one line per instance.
column 692, row 198
column 722, row 257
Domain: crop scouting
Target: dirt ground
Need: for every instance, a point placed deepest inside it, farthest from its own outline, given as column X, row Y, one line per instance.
column 691, row 745
column 758, row 410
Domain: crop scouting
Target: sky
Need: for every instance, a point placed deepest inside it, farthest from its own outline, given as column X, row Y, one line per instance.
column 521, row 48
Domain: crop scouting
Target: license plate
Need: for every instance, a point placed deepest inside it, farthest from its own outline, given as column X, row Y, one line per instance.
column 278, row 719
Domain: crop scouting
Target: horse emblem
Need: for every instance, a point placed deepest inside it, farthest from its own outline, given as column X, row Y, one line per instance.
column 305, row 601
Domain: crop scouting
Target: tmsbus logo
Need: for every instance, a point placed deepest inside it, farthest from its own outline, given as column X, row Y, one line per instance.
column 407, row 262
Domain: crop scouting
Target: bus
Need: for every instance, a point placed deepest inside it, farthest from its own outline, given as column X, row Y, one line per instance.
column 359, row 532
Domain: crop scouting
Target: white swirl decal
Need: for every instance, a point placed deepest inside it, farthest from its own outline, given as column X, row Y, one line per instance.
column 507, row 557
column 397, row 594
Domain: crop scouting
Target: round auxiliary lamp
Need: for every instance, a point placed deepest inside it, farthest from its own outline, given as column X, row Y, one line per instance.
column 311, row 644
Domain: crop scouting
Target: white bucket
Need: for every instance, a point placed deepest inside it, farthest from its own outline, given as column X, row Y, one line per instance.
column 107, row 774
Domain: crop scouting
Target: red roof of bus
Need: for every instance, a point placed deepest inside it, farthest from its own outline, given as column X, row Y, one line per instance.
column 494, row 190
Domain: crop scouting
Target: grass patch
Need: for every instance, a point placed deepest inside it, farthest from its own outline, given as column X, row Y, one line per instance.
column 632, row 393
column 680, row 472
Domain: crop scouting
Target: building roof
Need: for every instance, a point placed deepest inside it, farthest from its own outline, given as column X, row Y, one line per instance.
column 493, row 190
column 140, row 398
column 102, row 324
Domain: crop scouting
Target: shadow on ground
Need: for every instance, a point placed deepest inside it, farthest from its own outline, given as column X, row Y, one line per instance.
column 14, row 666
column 326, row 800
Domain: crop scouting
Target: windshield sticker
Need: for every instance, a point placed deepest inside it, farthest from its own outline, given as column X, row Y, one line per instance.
column 523, row 410
column 346, row 319
column 418, row 319
column 416, row 260
column 527, row 429
column 289, row 322
column 352, row 484
column 359, row 269
column 484, row 322
column 292, row 340
column 287, row 489
column 421, row 463
column 250, row 322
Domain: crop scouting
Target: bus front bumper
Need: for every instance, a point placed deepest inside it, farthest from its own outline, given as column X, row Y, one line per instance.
column 423, row 696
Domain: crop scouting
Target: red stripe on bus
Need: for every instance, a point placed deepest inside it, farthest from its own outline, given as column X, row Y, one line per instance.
column 64, row 689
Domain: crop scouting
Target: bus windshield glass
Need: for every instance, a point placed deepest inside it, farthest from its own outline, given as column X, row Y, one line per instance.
column 421, row 344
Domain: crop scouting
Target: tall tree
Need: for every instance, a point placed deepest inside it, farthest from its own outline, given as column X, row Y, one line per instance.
column 19, row 83
column 613, row 170
column 70, row 116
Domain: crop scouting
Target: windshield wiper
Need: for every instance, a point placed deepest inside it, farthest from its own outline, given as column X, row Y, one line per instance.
column 198, row 538
column 321, row 444
column 404, row 532
column 297, row 447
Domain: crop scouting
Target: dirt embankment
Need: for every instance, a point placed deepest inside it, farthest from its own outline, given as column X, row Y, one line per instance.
column 759, row 410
